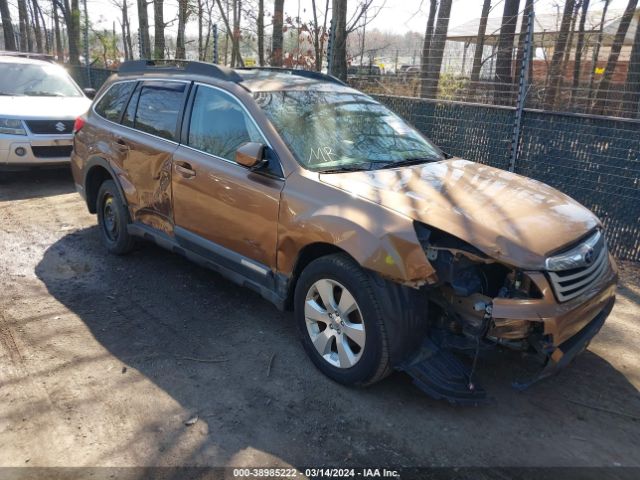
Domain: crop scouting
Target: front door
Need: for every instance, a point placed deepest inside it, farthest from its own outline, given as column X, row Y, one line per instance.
column 220, row 207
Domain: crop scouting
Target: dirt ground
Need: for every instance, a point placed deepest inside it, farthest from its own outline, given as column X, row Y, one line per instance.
column 104, row 359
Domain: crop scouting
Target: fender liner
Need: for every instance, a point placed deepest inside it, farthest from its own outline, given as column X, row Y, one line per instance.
column 101, row 162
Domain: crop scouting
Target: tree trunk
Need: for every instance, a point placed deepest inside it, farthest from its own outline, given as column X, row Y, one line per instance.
column 47, row 43
column 23, row 21
column 339, row 46
column 56, row 26
column 436, row 50
column 143, row 27
column 7, row 26
column 234, row 44
column 577, row 64
column 158, row 20
column 200, row 30
column 277, row 40
column 71, row 14
column 260, row 26
column 36, row 25
column 632, row 96
column 596, row 49
column 555, row 70
column 182, row 22
column 482, row 29
column 127, row 38
column 426, row 48
column 600, row 105
column 504, row 58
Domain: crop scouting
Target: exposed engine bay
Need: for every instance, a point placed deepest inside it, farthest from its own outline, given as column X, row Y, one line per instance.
column 462, row 320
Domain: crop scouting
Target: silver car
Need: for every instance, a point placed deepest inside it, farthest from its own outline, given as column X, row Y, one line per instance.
column 39, row 103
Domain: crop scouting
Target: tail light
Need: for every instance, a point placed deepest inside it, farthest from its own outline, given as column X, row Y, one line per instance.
column 79, row 123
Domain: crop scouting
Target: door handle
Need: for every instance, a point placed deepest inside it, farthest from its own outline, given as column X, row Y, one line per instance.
column 185, row 169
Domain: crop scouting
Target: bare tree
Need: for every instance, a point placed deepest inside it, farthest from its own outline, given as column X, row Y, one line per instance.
column 276, row 38
column 56, row 26
column 35, row 24
column 436, row 51
column 235, row 46
column 577, row 64
column 600, row 103
column 555, row 70
column 426, row 47
column 632, row 96
column 339, row 46
column 71, row 15
column 183, row 15
column 7, row 26
column 158, row 20
column 143, row 29
column 23, row 23
column 596, row 49
column 504, row 55
column 319, row 33
column 482, row 29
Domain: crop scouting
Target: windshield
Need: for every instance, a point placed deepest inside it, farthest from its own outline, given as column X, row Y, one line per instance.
column 22, row 79
column 343, row 130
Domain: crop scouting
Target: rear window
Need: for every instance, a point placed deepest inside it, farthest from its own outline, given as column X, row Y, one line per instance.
column 111, row 104
column 159, row 106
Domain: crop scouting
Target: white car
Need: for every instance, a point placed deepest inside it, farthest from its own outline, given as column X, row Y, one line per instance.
column 39, row 103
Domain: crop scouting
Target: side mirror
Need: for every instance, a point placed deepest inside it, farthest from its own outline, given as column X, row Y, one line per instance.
column 250, row 155
column 90, row 92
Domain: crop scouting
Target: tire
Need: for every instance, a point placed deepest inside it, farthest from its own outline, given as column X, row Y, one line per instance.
column 349, row 356
column 113, row 218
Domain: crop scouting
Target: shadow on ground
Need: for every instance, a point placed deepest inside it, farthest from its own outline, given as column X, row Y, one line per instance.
column 232, row 359
column 35, row 182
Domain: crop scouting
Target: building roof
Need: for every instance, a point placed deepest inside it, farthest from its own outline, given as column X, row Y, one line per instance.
column 546, row 28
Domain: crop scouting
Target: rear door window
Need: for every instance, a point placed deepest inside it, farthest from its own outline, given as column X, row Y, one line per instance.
column 159, row 107
column 112, row 103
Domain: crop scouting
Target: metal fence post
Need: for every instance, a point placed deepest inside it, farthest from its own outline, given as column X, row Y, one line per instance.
column 332, row 32
column 214, row 34
column 522, row 93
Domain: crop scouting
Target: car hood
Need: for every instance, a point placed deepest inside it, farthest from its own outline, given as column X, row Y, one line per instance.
column 511, row 218
column 59, row 108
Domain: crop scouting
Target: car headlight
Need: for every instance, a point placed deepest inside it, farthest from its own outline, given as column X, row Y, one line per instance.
column 581, row 255
column 12, row 126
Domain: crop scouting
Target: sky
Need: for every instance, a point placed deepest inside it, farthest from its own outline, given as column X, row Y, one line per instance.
column 398, row 16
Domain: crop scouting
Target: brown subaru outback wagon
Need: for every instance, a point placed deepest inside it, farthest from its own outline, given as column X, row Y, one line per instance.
column 391, row 253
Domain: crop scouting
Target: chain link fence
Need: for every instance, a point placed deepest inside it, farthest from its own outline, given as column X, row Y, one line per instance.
column 546, row 109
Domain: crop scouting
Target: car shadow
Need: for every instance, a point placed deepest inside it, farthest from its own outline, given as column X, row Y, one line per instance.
column 229, row 357
column 35, row 182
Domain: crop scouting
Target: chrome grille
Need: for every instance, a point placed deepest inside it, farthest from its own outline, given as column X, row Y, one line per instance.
column 591, row 258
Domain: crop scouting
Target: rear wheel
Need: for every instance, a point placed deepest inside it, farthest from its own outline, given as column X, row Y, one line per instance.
column 340, row 323
column 113, row 219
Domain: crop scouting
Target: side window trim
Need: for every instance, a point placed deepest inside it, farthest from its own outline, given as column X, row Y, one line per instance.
column 186, row 125
column 99, row 99
column 178, row 124
column 126, row 107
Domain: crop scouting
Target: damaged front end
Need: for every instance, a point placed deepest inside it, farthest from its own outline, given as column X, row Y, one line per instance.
column 480, row 304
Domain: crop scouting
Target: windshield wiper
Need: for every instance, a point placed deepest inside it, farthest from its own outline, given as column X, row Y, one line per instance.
column 359, row 167
column 41, row 93
column 409, row 161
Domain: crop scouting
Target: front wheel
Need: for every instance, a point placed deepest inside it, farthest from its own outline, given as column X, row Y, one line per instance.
column 113, row 219
column 340, row 322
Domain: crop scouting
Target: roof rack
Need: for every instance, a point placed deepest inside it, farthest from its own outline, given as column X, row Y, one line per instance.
column 300, row 73
column 179, row 66
column 36, row 56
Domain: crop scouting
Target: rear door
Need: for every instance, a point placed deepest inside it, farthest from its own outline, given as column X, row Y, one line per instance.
column 221, row 208
column 148, row 142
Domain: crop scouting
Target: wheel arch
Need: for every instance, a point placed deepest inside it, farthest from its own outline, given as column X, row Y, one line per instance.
column 98, row 171
column 308, row 254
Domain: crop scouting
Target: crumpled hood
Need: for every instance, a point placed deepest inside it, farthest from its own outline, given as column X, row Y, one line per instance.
column 33, row 107
column 511, row 218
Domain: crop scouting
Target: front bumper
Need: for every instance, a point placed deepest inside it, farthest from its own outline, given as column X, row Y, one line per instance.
column 38, row 149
